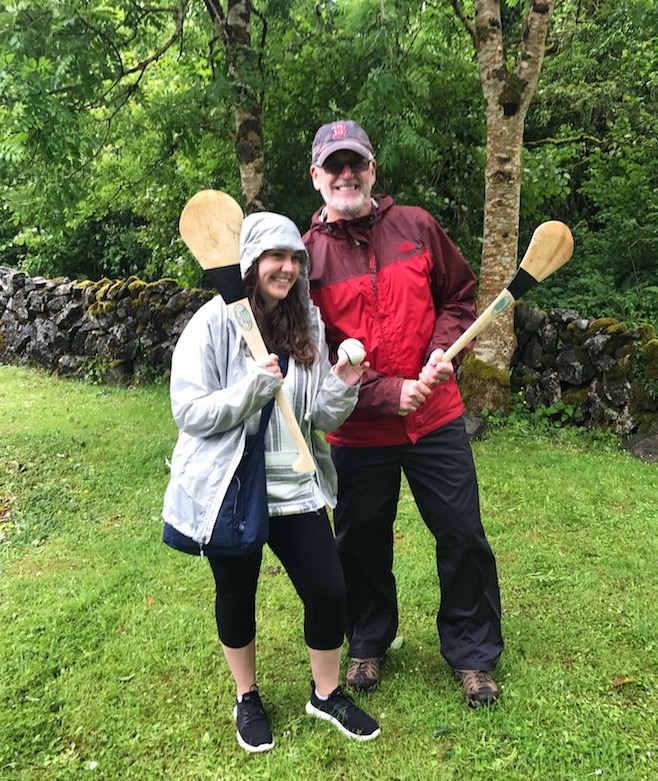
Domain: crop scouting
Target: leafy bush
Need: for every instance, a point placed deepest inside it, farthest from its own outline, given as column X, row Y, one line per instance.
column 109, row 247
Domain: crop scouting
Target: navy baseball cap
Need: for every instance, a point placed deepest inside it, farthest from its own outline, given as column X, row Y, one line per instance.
column 345, row 134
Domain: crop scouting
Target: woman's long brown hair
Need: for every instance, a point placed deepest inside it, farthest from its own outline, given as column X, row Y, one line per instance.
column 286, row 329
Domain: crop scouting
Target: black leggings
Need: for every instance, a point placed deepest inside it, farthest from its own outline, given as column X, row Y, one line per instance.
column 305, row 545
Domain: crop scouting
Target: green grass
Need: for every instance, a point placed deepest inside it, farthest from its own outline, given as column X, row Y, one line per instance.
column 110, row 666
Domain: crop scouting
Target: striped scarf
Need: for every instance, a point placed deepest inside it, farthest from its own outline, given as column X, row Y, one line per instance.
column 288, row 492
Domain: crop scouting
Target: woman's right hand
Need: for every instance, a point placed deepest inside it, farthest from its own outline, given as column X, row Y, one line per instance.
column 271, row 363
column 349, row 374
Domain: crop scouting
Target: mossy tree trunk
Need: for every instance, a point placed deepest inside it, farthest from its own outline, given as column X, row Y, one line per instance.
column 244, row 70
column 507, row 94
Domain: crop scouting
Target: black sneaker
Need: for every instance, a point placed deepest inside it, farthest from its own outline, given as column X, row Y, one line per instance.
column 344, row 714
column 254, row 733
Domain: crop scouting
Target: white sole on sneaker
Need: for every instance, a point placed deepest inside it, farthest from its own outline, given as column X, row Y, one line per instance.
column 313, row 711
column 247, row 746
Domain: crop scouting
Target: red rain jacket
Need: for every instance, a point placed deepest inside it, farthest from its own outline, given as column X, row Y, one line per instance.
column 394, row 280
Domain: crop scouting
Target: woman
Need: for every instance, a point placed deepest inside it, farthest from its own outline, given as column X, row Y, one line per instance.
column 218, row 392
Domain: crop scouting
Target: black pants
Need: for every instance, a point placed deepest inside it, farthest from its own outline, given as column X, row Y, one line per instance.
column 441, row 475
column 305, row 546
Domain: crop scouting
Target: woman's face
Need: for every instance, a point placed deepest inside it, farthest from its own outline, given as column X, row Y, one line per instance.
column 278, row 270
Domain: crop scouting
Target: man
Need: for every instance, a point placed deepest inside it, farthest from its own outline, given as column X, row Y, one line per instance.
column 389, row 276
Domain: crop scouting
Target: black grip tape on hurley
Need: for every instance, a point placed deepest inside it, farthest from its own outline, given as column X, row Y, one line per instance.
column 227, row 281
column 521, row 283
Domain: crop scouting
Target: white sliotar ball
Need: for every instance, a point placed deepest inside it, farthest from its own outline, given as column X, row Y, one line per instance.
column 353, row 349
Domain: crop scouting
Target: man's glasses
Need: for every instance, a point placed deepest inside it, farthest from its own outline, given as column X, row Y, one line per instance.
column 358, row 165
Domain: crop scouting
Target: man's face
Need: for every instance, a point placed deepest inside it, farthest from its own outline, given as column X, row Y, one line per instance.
column 345, row 181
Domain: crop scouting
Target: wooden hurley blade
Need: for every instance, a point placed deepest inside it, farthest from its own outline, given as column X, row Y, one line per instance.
column 210, row 227
column 550, row 248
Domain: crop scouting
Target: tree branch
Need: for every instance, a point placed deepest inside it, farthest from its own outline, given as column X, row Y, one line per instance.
column 263, row 36
column 179, row 10
column 218, row 17
column 141, row 67
column 534, row 40
column 581, row 137
column 461, row 15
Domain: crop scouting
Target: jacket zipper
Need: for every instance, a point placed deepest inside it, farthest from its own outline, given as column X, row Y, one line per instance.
column 372, row 267
column 234, row 512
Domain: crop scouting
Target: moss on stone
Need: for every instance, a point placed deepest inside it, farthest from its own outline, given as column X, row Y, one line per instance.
column 100, row 308
column 601, row 324
column 101, row 290
column 618, row 328
column 641, row 400
column 616, row 373
column 135, row 286
column 647, row 332
column 650, row 359
column 581, row 355
column 575, row 397
column 483, row 386
column 115, row 289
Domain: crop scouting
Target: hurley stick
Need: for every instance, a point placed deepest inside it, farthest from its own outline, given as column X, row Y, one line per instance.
column 550, row 247
column 210, row 226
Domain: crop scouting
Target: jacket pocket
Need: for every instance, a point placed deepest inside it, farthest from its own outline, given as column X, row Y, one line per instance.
column 242, row 523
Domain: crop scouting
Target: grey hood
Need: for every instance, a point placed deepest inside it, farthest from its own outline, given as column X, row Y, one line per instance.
column 263, row 231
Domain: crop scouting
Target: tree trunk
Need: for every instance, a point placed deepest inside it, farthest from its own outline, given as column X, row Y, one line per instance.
column 246, row 79
column 507, row 94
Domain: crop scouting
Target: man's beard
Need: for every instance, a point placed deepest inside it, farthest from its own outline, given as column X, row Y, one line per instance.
column 350, row 204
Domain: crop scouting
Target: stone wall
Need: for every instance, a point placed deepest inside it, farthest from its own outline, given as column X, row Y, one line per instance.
column 120, row 331
column 595, row 372
column 598, row 373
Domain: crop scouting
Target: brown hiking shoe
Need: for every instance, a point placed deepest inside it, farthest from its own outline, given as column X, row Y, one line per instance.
column 363, row 674
column 479, row 687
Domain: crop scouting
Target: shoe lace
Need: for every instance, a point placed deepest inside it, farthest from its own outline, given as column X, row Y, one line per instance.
column 252, row 709
column 475, row 680
column 367, row 667
column 341, row 704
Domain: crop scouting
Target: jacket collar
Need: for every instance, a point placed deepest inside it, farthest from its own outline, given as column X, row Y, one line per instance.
column 381, row 204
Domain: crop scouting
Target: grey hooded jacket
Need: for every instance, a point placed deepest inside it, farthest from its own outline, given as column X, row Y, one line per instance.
column 217, row 391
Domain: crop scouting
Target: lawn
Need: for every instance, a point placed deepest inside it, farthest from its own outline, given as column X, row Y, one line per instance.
column 110, row 666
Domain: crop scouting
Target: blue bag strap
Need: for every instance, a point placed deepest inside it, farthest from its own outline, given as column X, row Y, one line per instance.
column 265, row 418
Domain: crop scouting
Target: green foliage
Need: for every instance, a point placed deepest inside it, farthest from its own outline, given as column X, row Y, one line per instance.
column 558, row 414
column 111, row 118
column 589, row 289
column 546, row 180
column 646, row 367
column 595, row 115
column 97, row 249
column 426, row 124
column 523, row 417
column 111, row 150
